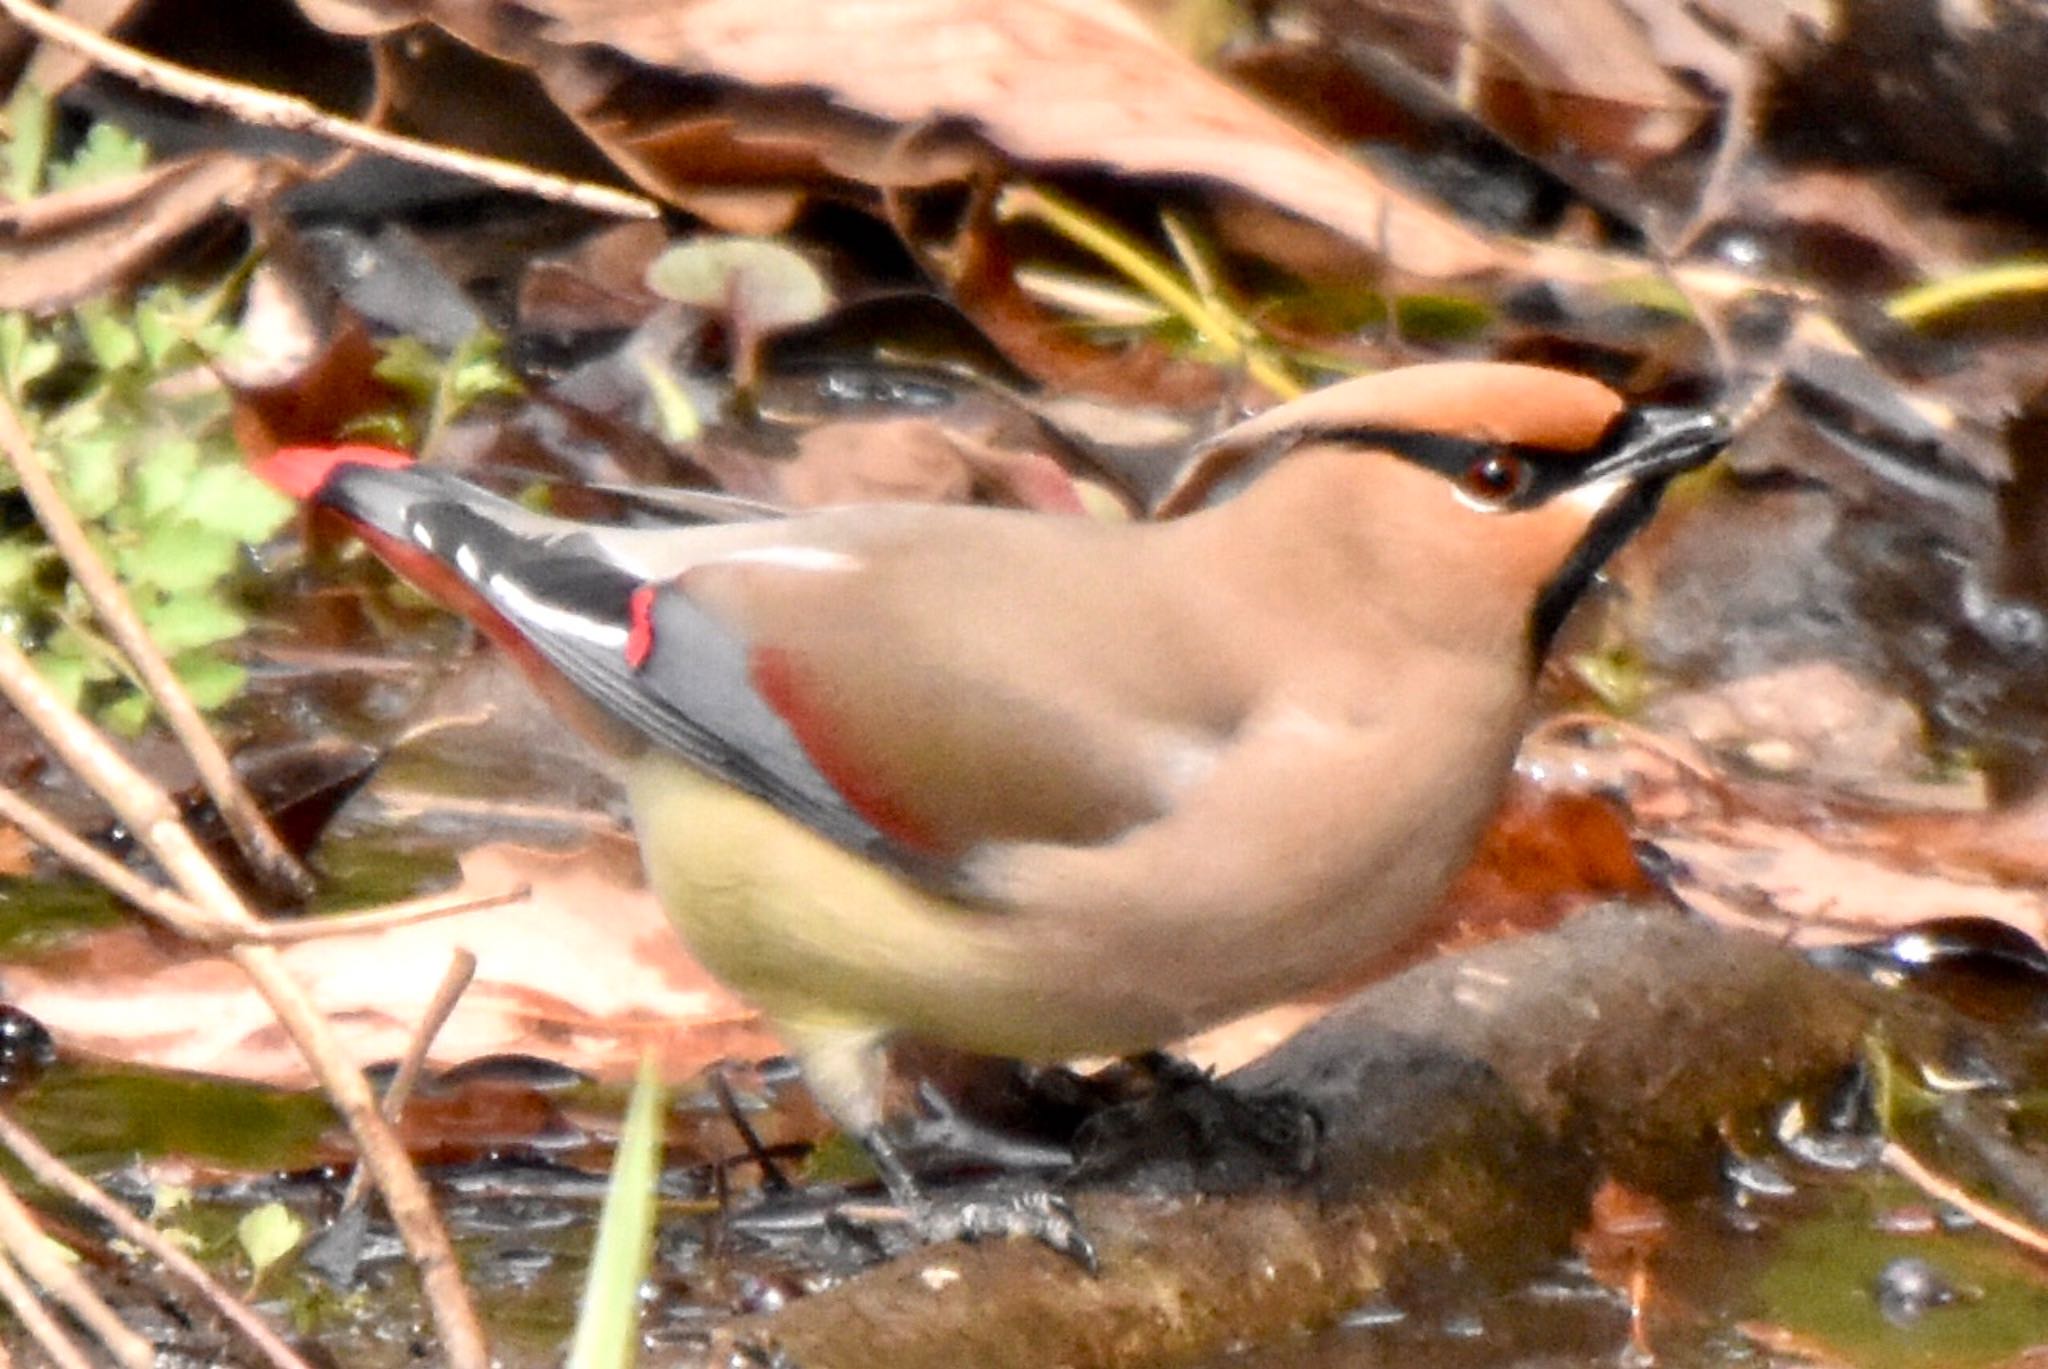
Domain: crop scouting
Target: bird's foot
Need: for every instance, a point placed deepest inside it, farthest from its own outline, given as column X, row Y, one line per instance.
column 986, row 1213
column 1036, row 1213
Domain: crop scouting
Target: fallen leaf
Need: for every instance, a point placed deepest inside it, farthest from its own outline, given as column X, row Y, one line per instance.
column 1050, row 83
column 17, row 852
column 586, row 972
column 1580, row 77
column 1793, row 860
column 60, row 248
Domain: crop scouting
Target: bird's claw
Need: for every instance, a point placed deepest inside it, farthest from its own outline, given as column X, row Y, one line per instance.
column 1036, row 1213
column 985, row 1214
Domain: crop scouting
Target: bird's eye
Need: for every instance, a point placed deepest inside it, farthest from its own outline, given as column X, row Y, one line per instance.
column 1495, row 478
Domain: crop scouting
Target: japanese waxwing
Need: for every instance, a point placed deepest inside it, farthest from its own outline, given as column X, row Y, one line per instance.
column 1045, row 786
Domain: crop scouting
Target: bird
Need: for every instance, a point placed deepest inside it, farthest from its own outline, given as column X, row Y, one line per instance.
column 1046, row 786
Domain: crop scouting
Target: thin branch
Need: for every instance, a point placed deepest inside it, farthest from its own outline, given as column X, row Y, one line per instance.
column 1913, row 1170
column 44, row 1261
column 403, row 914
column 772, row 1177
column 96, row 865
column 1741, row 114
column 182, row 917
column 267, row 855
column 149, row 813
column 402, row 802
column 43, row 1328
column 461, row 969
column 59, row 1177
column 254, row 105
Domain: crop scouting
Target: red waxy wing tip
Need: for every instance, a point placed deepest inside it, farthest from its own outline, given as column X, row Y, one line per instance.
column 640, row 618
column 301, row 471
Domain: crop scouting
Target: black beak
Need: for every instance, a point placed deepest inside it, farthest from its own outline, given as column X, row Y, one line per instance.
column 1651, row 443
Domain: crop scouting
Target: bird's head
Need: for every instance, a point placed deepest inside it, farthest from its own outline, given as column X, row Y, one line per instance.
column 1487, row 488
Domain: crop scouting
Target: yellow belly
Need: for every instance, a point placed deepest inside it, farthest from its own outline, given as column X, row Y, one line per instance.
column 818, row 938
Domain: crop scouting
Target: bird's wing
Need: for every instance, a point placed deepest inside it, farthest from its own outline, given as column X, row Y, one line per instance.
column 788, row 659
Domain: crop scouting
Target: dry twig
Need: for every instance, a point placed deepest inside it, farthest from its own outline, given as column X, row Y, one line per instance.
column 182, row 917
column 1909, row 1167
column 461, row 969
column 50, row 1337
column 254, row 105
column 153, row 818
column 403, row 914
column 44, row 1261
column 110, row 874
column 54, row 1174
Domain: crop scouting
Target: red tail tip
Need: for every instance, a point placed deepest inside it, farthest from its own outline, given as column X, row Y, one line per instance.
column 301, row 471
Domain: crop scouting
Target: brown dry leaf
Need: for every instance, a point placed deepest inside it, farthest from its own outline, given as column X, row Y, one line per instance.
column 1788, row 860
column 601, row 282
column 1546, row 855
column 586, row 971
column 1815, row 719
column 1774, row 28
column 1049, row 82
column 1569, row 75
column 1043, row 343
column 17, row 852
column 58, row 249
column 1756, row 872
column 299, row 378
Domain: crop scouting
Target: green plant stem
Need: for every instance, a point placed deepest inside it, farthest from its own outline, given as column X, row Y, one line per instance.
column 1210, row 318
column 608, row 1323
column 1931, row 303
column 99, row 646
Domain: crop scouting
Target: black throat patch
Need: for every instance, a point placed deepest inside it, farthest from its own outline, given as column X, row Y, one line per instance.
column 1626, row 512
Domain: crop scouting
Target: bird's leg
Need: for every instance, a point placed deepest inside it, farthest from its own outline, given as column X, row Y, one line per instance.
column 847, row 1072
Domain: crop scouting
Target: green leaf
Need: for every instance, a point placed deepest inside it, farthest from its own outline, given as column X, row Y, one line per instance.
column 27, row 151
column 27, row 353
column 127, row 715
column 227, row 498
column 192, row 619
column 20, row 559
column 107, row 154
column 180, row 556
column 410, row 367
column 475, row 372
column 90, row 653
column 163, row 477
column 608, row 1322
column 64, row 674
column 92, row 473
column 162, row 328
column 211, row 679
column 267, row 1234
column 108, row 336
